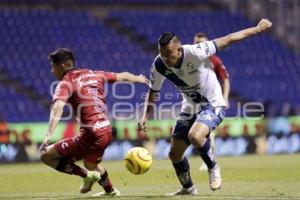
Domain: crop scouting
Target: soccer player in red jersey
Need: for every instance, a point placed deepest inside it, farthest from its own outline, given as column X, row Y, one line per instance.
column 84, row 90
column 223, row 76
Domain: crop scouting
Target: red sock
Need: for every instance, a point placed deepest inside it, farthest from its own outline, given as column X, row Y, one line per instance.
column 66, row 165
column 105, row 182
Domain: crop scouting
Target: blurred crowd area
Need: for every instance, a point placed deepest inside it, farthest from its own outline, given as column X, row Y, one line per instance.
column 278, row 135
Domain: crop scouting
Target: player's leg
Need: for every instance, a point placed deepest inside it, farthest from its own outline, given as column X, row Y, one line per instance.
column 203, row 166
column 212, row 137
column 197, row 136
column 179, row 144
column 103, row 180
column 92, row 162
column 182, row 168
column 60, row 157
column 207, row 120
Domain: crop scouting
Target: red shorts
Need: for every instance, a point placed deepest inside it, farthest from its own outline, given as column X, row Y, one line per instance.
column 89, row 145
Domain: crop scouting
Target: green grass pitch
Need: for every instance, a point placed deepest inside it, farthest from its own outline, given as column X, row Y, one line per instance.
column 247, row 177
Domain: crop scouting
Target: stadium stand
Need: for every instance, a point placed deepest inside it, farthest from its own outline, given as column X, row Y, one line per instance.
column 29, row 35
column 261, row 68
column 16, row 107
column 109, row 1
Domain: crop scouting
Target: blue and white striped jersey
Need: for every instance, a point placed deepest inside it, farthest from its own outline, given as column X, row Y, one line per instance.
column 194, row 78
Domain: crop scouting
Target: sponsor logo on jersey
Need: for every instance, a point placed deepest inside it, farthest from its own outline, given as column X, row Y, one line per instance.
column 100, row 124
column 88, row 83
column 188, row 88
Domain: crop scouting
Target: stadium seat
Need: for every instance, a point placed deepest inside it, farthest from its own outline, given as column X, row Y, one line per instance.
column 261, row 68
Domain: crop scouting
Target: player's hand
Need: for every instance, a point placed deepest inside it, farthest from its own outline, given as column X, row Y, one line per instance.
column 227, row 103
column 142, row 125
column 263, row 25
column 142, row 79
column 44, row 145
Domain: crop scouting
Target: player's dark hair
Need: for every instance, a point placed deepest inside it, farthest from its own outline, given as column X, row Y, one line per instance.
column 200, row 34
column 61, row 55
column 166, row 37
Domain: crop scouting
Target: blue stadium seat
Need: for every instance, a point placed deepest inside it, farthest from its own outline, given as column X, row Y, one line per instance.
column 261, row 68
column 18, row 108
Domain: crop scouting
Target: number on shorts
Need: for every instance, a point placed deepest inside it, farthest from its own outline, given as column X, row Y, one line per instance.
column 64, row 145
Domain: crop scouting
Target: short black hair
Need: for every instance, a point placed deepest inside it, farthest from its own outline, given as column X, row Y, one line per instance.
column 165, row 38
column 61, row 55
column 200, row 34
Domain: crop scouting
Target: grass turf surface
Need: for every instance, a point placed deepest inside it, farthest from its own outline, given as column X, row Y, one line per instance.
column 247, row 177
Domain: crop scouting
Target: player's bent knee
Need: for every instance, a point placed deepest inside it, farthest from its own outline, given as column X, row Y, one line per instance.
column 192, row 138
column 196, row 138
column 49, row 156
column 45, row 157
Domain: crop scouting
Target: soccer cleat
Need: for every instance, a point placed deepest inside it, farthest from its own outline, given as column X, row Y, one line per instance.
column 215, row 179
column 88, row 181
column 185, row 191
column 203, row 167
column 113, row 193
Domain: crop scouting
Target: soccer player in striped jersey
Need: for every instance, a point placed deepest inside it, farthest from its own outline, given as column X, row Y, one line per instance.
column 189, row 68
column 223, row 76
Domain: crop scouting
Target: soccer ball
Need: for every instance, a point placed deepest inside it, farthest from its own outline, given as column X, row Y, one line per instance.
column 138, row 160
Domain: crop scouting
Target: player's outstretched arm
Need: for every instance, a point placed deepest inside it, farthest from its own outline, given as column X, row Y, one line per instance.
column 148, row 109
column 226, row 90
column 126, row 76
column 55, row 115
column 225, row 41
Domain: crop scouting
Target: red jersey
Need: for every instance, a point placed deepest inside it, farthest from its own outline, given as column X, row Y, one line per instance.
column 219, row 67
column 84, row 90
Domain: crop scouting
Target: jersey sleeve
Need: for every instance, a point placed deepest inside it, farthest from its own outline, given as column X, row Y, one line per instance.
column 219, row 68
column 203, row 50
column 156, row 79
column 63, row 91
column 108, row 76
